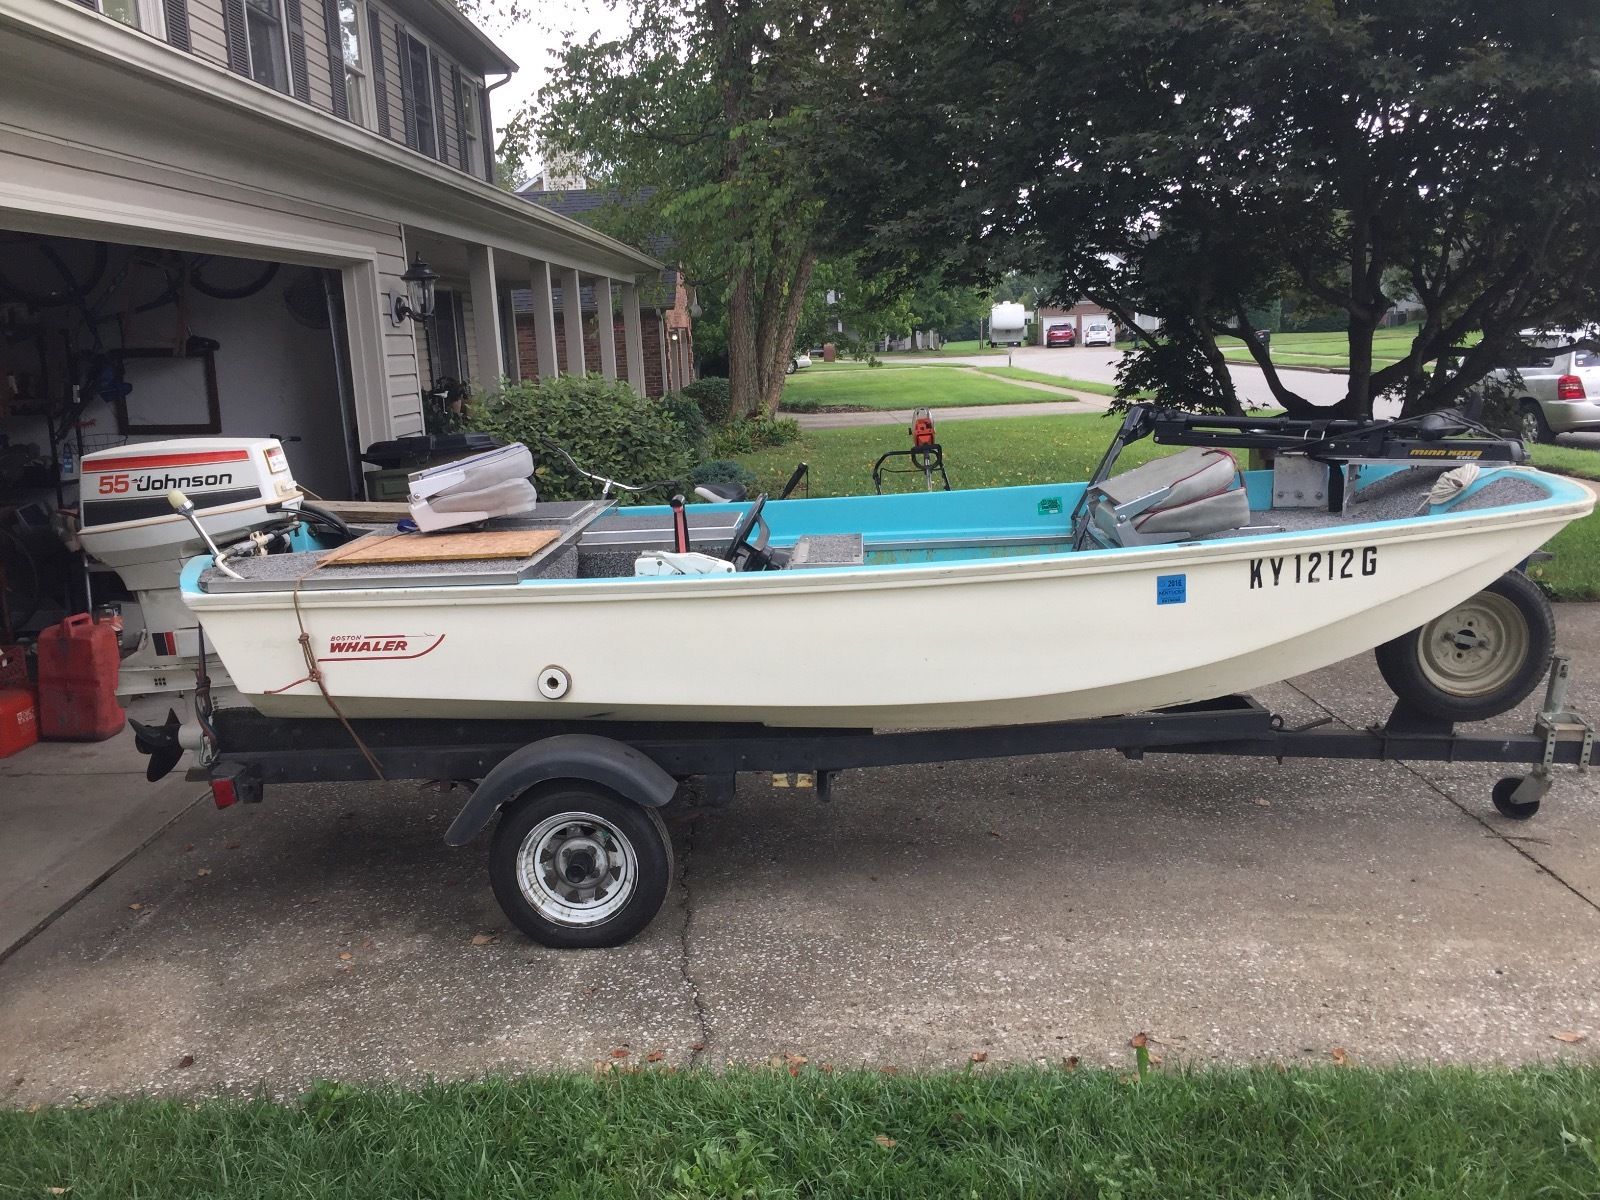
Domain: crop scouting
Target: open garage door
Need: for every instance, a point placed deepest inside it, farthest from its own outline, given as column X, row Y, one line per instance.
column 106, row 344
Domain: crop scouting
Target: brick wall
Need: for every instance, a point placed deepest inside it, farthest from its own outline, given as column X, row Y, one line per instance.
column 649, row 326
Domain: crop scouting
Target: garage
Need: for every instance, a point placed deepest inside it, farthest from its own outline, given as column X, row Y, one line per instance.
column 107, row 344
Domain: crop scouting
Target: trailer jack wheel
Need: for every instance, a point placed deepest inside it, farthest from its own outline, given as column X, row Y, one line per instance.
column 1518, row 796
column 574, row 865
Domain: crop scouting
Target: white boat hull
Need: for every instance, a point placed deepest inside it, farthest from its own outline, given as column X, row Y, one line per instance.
column 975, row 642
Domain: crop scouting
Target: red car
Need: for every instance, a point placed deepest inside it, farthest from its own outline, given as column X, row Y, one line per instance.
column 1061, row 335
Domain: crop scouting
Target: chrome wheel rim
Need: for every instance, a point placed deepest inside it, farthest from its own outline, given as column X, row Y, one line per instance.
column 1530, row 425
column 1476, row 648
column 576, row 869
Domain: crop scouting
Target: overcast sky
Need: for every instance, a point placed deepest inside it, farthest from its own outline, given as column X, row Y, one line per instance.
column 531, row 43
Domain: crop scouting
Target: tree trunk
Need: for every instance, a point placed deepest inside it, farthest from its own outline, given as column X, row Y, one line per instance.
column 788, row 319
column 1358, row 398
column 744, row 380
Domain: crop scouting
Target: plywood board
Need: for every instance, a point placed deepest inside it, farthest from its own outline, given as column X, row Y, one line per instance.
column 441, row 547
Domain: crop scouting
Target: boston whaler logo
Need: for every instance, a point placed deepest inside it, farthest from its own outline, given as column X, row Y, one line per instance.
column 348, row 646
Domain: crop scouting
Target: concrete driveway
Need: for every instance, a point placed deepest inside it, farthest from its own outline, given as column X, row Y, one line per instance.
column 1035, row 908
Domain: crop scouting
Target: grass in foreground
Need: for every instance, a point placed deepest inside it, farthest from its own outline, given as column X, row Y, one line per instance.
column 930, row 387
column 1021, row 450
column 1454, row 1133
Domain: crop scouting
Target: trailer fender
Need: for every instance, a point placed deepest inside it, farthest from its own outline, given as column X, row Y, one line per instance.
column 579, row 756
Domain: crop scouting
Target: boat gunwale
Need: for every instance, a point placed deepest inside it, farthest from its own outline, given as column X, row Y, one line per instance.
column 1577, row 502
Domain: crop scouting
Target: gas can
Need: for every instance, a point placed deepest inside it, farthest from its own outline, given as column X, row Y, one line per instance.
column 19, row 723
column 78, row 661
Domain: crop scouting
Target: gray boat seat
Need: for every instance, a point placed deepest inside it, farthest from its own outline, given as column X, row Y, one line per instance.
column 1193, row 494
column 468, row 490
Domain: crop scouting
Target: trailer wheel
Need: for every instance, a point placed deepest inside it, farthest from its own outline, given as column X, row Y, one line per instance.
column 1506, row 806
column 576, row 866
column 1478, row 660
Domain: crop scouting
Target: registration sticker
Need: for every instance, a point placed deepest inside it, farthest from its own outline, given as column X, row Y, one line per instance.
column 1172, row 589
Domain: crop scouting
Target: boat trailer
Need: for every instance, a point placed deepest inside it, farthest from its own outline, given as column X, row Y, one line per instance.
column 606, row 779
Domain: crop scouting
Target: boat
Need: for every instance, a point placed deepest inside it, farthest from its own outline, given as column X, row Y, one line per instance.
column 1185, row 578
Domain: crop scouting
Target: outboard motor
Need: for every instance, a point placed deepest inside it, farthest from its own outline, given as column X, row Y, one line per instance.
column 238, row 486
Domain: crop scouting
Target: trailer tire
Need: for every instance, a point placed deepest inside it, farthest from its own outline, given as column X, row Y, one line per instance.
column 1480, row 659
column 575, row 866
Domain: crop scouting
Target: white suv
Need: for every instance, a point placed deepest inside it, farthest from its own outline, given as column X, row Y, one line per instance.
column 1556, row 392
column 1098, row 333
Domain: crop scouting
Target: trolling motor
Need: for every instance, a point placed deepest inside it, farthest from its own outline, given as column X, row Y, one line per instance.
column 926, row 455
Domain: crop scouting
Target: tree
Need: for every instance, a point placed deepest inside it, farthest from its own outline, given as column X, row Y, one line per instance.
column 1198, row 161
column 724, row 123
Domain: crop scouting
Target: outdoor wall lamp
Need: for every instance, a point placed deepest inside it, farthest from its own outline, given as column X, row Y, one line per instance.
column 417, row 302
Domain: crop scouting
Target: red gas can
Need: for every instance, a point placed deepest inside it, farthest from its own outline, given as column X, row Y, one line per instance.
column 19, row 724
column 78, row 662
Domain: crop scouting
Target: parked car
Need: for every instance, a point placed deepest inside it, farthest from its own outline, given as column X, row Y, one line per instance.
column 798, row 363
column 1061, row 335
column 1097, row 332
column 1556, row 391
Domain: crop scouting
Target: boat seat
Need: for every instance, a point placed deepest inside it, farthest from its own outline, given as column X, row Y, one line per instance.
column 1193, row 494
column 473, row 489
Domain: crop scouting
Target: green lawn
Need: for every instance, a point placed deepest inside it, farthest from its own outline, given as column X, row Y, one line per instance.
column 1302, row 1132
column 1001, row 453
column 1567, row 460
column 930, row 387
column 1079, row 385
column 1324, row 349
column 966, row 348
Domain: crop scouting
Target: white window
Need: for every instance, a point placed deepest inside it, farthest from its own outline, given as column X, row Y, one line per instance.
column 265, row 36
column 470, row 108
column 352, row 26
column 141, row 14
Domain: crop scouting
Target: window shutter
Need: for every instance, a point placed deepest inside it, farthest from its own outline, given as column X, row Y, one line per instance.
column 380, row 74
column 299, row 80
column 440, row 143
column 233, row 32
column 177, row 14
column 408, row 116
column 331, row 26
column 461, row 119
column 90, row 4
column 486, row 134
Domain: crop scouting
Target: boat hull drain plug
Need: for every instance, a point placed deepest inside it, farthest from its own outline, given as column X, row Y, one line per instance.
column 554, row 682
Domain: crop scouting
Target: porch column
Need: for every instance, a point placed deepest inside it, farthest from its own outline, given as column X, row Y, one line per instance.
column 606, row 328
column 486, row 316
column 633, row 335
column 544, row 318
column 572, row 320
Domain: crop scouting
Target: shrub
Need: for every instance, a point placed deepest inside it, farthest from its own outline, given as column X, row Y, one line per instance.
column 607, row 427
column 713, row 396
column 743, row 437
column 688, row 417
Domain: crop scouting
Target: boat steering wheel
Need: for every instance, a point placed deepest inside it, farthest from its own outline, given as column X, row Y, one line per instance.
column 742, row 552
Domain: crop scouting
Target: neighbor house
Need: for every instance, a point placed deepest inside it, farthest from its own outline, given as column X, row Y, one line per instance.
column 208, row 209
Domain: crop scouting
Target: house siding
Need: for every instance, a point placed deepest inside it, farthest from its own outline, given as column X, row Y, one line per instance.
column 205, row 31
column 323, row 73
